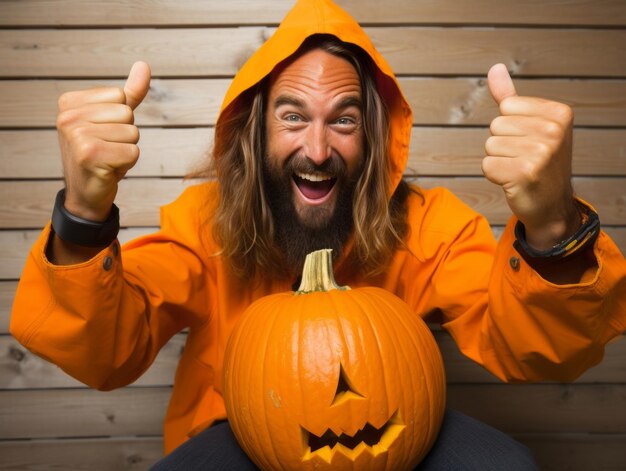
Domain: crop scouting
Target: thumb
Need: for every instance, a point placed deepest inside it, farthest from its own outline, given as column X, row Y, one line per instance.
column 500, row 83
column 137, row 84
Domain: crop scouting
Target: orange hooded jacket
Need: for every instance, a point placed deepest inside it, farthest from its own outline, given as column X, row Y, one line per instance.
column 105, row 323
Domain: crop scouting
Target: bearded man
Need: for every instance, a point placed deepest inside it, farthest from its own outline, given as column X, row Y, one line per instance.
column 310, row 149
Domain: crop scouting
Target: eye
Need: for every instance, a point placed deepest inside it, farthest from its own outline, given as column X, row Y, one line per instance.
column 345, row 121
column 292, row 117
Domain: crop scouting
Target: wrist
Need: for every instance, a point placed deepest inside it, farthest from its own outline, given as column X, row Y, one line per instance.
column 551, row 233
column 76, row 208
column 585, row 235
column 79, row 231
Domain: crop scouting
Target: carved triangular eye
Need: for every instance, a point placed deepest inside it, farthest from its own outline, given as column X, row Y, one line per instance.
column 345, row 390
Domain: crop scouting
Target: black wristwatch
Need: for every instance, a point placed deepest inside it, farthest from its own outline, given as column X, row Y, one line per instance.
column 79, row 231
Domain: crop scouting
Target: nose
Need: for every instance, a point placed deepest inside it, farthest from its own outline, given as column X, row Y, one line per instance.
column 316, row 146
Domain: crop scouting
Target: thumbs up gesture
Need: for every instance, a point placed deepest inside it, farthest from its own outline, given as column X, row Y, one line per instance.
column 98, row 141
column 529, row 154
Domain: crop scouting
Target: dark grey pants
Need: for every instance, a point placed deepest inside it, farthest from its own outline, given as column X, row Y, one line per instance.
column 463, row 444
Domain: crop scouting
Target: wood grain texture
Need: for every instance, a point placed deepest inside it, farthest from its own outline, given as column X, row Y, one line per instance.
column 7, row 294
column 15, row 245
column 222, row 51
column 29, row 206
column 534, row 408
column 554, row 452
column 20, row 369
column 88, row 454
column 60, row 413
column 435, row 101
column 434, row 151
column 568, row 50
column 55, row 413
column 577, row 452
column 216, row 12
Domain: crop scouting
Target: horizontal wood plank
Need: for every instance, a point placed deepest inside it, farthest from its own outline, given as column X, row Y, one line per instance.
column 222, row 51
column 434, row 151
column 15, row 246
column 533, row 408
column 140, row 411
column 59, row 413
column 29, row 204
column 92, row 454
column 20, row 369
column 435, row 101
column 576, row 452
column 164, row 153
column 554, row 452
column 7, row 294
column 215, row 12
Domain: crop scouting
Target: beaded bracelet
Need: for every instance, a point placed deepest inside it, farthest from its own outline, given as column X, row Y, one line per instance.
column 586, row 234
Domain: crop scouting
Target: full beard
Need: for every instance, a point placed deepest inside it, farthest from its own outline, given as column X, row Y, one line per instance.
column 314, row 228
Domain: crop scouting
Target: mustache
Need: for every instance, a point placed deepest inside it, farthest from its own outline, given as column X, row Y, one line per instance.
column 334, row 166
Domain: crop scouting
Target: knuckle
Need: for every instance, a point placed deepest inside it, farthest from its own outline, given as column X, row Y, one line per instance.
column 552, row 129
column 86, row 150
column 134, row 134
column 530, row 172
column 564, row 112
column 118, row 95
column 542, row 149
column 128, row 115
column 134, row 152
column 64, row 101
column 496, row 124
column 65, row 119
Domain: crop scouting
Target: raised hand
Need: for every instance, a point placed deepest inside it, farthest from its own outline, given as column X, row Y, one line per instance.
column 98, row 141
column 529, row 154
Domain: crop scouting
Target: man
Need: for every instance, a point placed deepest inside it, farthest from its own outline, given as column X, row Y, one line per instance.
column 310, row 149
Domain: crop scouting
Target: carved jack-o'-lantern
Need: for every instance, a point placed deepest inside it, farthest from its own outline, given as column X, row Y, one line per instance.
column 333, row 378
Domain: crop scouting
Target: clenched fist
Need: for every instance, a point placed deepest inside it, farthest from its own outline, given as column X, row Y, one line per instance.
column 98, row 141
column 529, row 154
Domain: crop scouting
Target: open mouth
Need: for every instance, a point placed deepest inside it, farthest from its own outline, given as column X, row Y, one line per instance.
column 370, row 438
column 314, row 186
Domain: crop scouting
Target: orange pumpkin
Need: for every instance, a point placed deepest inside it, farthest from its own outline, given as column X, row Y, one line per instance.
column 333, row 378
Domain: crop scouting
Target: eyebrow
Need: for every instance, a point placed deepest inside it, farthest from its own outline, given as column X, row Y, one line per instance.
column 288, row 100
column 294, row 101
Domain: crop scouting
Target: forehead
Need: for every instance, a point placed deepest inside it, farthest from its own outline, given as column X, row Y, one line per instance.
column 316, row 71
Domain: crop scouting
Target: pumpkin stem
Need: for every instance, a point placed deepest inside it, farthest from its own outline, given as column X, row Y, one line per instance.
column 317, row 274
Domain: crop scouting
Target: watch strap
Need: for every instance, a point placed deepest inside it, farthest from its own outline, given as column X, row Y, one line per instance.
column 79, row 231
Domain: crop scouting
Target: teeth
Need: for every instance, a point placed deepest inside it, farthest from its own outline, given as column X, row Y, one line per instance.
column 314, row 177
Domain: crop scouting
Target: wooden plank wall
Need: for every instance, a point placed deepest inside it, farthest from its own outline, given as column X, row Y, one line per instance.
column 569, row 50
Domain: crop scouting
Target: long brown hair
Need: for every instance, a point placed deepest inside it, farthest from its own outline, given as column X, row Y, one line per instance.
column 243, row 224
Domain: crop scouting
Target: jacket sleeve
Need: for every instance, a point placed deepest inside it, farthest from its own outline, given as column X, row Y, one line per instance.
column 529, row 329
column 505, row 316
column 103, row 321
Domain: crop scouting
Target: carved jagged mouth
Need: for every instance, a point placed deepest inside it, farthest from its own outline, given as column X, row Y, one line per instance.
column 376, row 440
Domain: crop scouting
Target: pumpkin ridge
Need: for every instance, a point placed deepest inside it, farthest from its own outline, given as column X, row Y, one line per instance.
column 406, row 358
column 276, row 316
column 430, row 374
column 372, row 311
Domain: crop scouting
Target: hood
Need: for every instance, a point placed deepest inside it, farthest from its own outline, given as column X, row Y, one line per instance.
column 309, row 17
